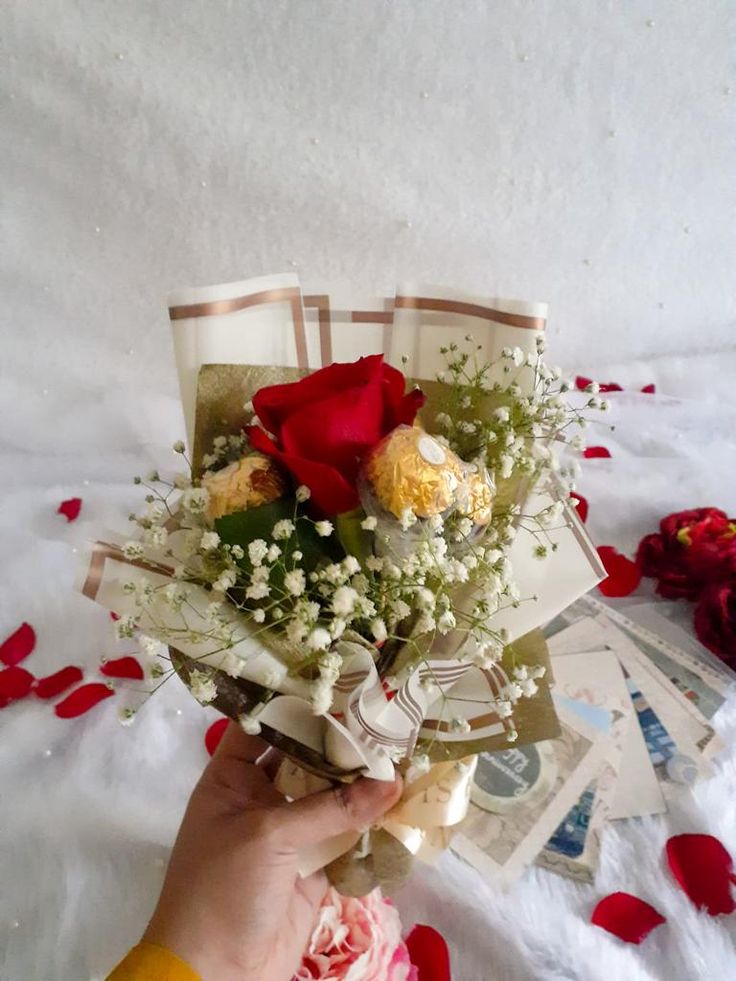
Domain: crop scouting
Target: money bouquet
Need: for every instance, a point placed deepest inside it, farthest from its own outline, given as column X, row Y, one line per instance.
column 356, row 559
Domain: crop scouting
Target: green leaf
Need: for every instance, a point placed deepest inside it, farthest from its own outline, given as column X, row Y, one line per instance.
column 354, row 539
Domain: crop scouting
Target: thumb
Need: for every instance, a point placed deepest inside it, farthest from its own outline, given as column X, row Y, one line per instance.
column 332, row 812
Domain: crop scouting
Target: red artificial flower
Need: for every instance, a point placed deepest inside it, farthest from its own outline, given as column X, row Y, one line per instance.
column 626, row 917
column 429, row 954
column 15, row 683
column 581, row 383
column 704, row 870
column 214, row 735
column 54, row 684
column 691, row 549
column 623, row 574
column 18, row 645
column 715, row 620
column 71, row 508
column 114, row 616
column 322, row 426
column 123, row 667
column 596, row 452
column 581, row 504
column 82, row 699
column 649, row 389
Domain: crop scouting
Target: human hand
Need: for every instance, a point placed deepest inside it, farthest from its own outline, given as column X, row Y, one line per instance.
column 233, row 904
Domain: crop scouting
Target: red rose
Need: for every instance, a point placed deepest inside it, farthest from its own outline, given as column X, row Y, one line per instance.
column 715, row 620
column 323, row 425
column 691, row 549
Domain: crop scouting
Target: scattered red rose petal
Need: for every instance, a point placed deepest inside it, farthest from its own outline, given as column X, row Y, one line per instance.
column 15, row 683
column 429, row 954
column 581, row 383
column 596, row 452
column 71, row 508
column 623, row 574
column 626, row 917
column 55, row 684
column 650, row 389
column 581, row 504
column 82, row 700
column 123, row 667
column 114, row 616
column 214, row 734
column 704, row 870
column 18, row 645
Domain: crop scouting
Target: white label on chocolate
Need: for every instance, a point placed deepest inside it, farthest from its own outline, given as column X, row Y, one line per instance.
column 431, row 451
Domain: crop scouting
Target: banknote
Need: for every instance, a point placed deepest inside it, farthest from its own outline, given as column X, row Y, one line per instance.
column 574, row 847
column 636, row 791
column 520, row 796
column 674, row 739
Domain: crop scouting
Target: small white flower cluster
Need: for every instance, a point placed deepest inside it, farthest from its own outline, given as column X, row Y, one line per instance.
column 225, row 449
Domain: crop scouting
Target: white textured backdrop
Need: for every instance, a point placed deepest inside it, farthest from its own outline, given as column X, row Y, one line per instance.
column 576, row 151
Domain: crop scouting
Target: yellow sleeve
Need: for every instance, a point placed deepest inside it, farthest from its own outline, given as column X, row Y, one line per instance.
column 149, row 962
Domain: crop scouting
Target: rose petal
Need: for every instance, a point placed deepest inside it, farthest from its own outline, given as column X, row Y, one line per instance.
column 214, row 734
column 114, row 616
column 54, row 684
column 18, row 645
column 429, row 953
column 704, row 869
column 15, row 683
column 581, row 504
column 581, row 383
column 649, row 389
column 331, row 493
column 71, row 508
column 123, row 667
column 596, row 452
column 82, row 700
column 623, row 574
column 626, row 917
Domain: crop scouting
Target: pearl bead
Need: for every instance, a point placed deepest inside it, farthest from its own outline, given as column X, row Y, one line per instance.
column 203, row 183
column 14, row 924
column 315, row 140
column 44, row 391
column 178, row 712
column 85, row 483
column 425, row 95
column 97, row 229
column 120, row 56
column 650, row 23
column 407, row 223
column 524, row 57
column 293, row 263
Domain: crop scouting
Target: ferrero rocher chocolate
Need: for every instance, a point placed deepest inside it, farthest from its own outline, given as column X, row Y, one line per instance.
column 247, row 483
column 476, row 498
column 410, row 469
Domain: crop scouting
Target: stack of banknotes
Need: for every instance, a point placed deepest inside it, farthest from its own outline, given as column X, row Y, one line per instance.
column 636, row 696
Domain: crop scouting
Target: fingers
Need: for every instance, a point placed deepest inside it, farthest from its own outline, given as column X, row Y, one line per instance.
column 237, row 745
column 332, row 812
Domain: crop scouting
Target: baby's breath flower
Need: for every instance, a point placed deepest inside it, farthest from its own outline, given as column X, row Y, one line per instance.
column 210, row 541
column 369, row 523
column 179, row 447
column 459, row 725
column 257, row 551
column 303, row 493
column 407, row 519
column 182, row 481
column 283, row 529
column 133, row 550
column 378, row 629
column 202, row 686
column 125, row 627
column 343, row 601
column 226, row 581
column 319, row 639
column 295, row 582
column 126, row 716
column 323, row 528
column 351, row 565
column 249, row 723
column 195, row 500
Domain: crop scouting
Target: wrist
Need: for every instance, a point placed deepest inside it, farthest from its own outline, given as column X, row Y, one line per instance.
column 199, row 949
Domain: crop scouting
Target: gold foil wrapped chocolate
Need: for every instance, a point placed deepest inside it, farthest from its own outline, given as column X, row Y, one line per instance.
column 475, row 498
column 247, row 483
column 410, row 469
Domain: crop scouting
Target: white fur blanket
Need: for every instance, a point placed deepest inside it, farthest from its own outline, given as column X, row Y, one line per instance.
column 89, row 808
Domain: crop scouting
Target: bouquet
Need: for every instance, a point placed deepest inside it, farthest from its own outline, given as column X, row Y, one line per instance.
column 355, row 560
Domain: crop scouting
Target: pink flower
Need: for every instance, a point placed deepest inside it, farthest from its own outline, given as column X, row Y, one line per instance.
column 356, row 940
